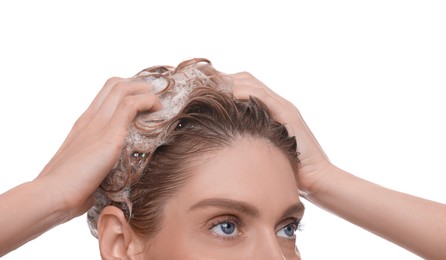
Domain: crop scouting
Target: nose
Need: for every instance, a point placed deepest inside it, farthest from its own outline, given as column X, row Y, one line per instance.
column 267, row 247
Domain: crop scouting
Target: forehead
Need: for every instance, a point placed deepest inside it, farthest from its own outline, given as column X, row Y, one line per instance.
column 252, row 170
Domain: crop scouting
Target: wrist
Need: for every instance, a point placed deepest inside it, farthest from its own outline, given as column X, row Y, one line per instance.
column 322, row 181
column 57, row 210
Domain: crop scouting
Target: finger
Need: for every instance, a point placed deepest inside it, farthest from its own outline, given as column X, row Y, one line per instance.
column 115, row 130
column 97, row 102
column 120, row 91
column 245, row 83
column 127, row 111
column 99, row 99
column 274, row 102
column 87, row 116
column 101, row 109
column 245, row 86
column 247, row 79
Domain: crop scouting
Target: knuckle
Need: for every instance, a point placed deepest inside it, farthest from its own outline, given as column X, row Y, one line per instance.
column 259, row 92
column 78, row 124
column 245, row 74
column 119, row 88
column 112, row 81
column 129, row 103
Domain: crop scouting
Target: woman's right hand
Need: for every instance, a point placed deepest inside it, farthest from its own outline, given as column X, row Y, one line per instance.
column 314, row 163
column 95, row 142
column 65, row 187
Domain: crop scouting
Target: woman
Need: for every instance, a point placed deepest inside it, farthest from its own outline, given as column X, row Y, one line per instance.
column 215, row 181
column 256, row 211
column 151, row 192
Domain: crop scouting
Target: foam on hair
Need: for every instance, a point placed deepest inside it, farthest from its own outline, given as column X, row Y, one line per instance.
column 173, row 86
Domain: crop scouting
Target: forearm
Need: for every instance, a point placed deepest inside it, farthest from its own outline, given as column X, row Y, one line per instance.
column 27, row 211
column 416, row 224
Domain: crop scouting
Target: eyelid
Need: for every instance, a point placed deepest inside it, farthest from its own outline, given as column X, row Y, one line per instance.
column 296, row 225
column 224, row 219
column 292, row 220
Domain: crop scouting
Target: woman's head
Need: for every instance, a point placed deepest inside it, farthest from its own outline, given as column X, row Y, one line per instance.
column 208, row 175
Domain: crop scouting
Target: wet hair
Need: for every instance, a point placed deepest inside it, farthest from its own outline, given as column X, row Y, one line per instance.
column 200, row 116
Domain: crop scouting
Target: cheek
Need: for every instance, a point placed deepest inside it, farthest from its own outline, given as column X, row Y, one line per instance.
column 179, row 239
column 169, row 243
column 291, row 253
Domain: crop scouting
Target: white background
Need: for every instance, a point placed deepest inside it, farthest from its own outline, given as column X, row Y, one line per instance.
column 368, row 77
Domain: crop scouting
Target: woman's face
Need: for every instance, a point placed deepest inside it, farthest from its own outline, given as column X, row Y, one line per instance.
column 241, row 204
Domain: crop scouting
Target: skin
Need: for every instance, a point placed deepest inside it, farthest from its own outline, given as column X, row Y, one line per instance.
column 249, row 185
column 387, row 213
column 64, row 188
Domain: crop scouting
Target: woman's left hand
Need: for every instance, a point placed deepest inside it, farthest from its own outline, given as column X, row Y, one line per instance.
column 314, row 164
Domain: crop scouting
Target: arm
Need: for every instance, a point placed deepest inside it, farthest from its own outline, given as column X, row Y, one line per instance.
column 385, row 212
column 64, row 188
column 389, row 214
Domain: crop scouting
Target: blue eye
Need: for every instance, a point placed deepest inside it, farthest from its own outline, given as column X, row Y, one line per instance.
column 287, row 231
column 226, row 229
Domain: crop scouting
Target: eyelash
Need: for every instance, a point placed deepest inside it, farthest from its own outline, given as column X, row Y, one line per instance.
column 297, row 226
column 225, row 219
column 297, row 223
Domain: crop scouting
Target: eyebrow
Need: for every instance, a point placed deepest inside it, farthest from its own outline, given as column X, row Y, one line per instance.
column 243, row 207
column 295, row 209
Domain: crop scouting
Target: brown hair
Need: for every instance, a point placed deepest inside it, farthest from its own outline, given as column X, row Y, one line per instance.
column 210, row 119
